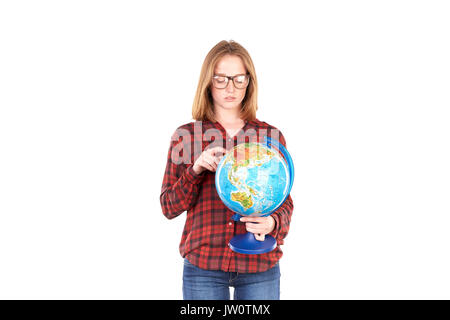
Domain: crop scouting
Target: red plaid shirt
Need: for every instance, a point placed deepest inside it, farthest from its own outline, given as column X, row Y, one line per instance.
column 209, row 226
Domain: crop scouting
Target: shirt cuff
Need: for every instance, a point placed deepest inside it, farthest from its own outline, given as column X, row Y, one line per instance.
column 193, row 177
column 277, row 223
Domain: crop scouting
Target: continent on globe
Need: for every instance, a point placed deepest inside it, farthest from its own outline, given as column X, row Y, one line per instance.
column 244, row 199
column 250, row 155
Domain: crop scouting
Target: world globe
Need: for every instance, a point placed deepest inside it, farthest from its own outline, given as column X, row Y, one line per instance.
column 254, row 179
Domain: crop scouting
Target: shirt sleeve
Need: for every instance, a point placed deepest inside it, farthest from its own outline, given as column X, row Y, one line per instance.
column 283, row 215
column 181, row 185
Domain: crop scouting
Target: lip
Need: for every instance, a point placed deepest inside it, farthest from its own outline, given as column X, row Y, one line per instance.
column 230, row 98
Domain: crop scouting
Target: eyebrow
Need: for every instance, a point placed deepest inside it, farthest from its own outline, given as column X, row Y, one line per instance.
column 223, row 74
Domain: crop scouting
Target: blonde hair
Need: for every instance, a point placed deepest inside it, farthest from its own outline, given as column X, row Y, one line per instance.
column 203, row 107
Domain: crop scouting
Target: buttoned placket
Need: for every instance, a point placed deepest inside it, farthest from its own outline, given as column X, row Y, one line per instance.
column 230, row 231
column 229, row 234
column 228, row 139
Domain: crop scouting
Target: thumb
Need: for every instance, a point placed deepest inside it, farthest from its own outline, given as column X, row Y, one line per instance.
column 259, row 236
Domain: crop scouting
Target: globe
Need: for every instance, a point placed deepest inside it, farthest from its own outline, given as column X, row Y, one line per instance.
column 254, row 179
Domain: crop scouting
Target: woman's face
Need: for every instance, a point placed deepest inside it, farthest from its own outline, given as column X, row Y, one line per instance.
column 228, row 65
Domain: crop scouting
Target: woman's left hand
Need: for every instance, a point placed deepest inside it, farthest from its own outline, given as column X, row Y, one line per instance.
column 259, row 226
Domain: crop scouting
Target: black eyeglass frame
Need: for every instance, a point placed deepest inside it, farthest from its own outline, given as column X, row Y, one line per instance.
column 232, row 79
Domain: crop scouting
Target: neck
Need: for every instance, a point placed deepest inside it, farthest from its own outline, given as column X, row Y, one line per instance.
column 227, row 116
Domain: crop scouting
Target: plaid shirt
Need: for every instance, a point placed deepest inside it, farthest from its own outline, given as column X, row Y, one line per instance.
column 209, row 226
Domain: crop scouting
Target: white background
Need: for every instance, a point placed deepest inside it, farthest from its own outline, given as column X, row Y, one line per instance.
column 91, row 91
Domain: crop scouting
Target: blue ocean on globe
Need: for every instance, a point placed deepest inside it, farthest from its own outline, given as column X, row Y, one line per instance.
column 252, row 179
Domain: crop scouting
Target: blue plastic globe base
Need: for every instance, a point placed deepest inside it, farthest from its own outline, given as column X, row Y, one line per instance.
column 246, row 243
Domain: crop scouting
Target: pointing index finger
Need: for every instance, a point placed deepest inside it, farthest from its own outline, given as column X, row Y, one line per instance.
column 217, row 150
column 250, row 219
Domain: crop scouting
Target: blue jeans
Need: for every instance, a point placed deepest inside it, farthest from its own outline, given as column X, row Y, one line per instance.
column 201, row 284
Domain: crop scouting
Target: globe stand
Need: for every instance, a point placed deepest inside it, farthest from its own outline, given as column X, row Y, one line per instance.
column 247, row 243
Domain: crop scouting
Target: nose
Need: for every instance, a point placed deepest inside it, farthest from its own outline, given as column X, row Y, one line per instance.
column 230, row 86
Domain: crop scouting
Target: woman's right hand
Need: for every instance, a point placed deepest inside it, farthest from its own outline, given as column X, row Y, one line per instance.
column 209, row 159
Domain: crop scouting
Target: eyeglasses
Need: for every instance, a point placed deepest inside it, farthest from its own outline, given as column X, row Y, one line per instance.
column 240, row 81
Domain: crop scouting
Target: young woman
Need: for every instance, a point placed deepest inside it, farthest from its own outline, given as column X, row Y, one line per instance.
column 225, row 112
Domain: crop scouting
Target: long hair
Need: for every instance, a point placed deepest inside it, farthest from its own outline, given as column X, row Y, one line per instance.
column 203, row 107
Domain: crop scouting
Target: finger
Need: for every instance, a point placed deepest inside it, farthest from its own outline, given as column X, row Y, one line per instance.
column 214, row 159
column 256, row 230
column 217, row 150
column 217, row 160
column 207, row 166
column 252, row 219
column 209, row 158
column 212, row 162
column 259, row 237
column 212, row 166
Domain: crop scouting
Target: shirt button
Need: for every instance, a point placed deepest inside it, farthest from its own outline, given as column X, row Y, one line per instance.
column 230, row 223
